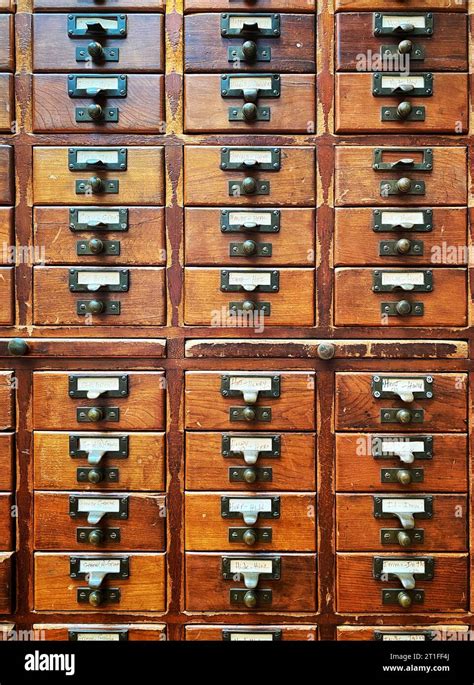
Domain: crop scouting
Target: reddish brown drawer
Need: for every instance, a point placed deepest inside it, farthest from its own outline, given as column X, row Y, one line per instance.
column 7, row 50
column 252, row 633
column 394, row 5
column 6, row 175
column 6, row 103
column 7, row 289
column 7, row 441
column 96, row 632
column 6, row 570
column 85, row 5
column 403, row 633
column 7, row 521
column 7, row 412
column 6, row 234
column 245, row 5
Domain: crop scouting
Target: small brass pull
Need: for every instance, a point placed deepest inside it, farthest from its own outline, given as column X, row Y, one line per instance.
column 250, row 111
column 404, row 477
column 18, row 347
column 96, row 112
column 403, row 246
column 403, row 307
column 250, row 475
column 95, row 476
column 404, row 185
column 405, row 47
column 249, row 537
column 96, row 598
column 95, row 414
column 250, row 599
column 249, row 414
column 96, row 51
column 95, row 307
column 248, row 306
column 403, row 539
column 249, row 50
column 249, row 185
column 404, row 600
column 326, row 351
column 403, row 416
column 249, row 247
column 96, row 245
column 404, row 109
column 96, row 184
column 96, row 537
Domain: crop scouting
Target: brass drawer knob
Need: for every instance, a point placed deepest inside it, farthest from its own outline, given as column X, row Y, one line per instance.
column 404, row 185
column 250, row 111
column 403, row 416
column 96, row 598
column 249, row 50
column 96, row 245
column 403, row 307
column 250, row 475
column 95, row 111
column 249, row 537
column 405, row 47
column 96, row 51
column 404, row 600
column 96, row 537
column 96, row 184
column 95, row 307
column 249, row 414
column 326, row 351
column 403, row 111
column 403, row 539
column 403, row 246
column 249, row 184
column 404, row 476
column 18, row 347
column 249, row 247
column 95, row 414
column 95, row 476
column 250, row 599
column 248, row 306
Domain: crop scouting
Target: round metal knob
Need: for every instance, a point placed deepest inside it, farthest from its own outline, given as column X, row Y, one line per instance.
column 95, row 414
column 18, row 347
column 404, row 600
column 96, row 184
column 249, row 185
column 95, row 307
column 96, row 51
column 96, row 245
column 95, row 112
column 405, row 47
column 95, row 476
column 249, row 247
column 250, row 111
column 403, row 416
column 249, row 537
column 404, row 477
column 250, row 599
column 250, row 475
column 96, row 537
column 403, row 307
column 403, row 539
column 248, row 306
column 249, row 414
column 326, row 351
column 404, row 109
column 403, row 245
column 404, row 185
column 95, row 598
column 249, row 50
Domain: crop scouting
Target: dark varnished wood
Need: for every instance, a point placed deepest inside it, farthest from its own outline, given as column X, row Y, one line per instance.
column 7, row 52
column 7, row 287
column 288, row 632
column 248, row 5
column 6, row 102
column 442, row 632
column 85, row 5
column 146, row 632
column 394, row 5
column 7, row 403
column 7, row 522
column 6, row 600
column 6, row 175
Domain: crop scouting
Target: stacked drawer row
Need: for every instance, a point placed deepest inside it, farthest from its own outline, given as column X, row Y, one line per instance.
column 7, row 487
column 7, row 194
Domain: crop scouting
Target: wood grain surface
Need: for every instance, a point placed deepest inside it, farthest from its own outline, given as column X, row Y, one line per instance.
column 6, row 175
column 146, row 632
column 288, row 632
column 7, row 51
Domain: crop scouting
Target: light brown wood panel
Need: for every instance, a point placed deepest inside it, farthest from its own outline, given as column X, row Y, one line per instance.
column 356, row 243
column 208, row 469
column 7, row 441
column 206, row 589
column 207, row 530
column 141, row 111
column 357, row 183
column 358, row 470
column 143, row 469
column 411, row 5
column 205, row 303
column 358, row 111
column 143, row 529
column 6, row 175
column 205, row 183
column 445, row 305
column 6, row 5
column 7, row 51
column 142, row 243
column 243, row 5
column 7, row 411
column 207, row 243
column 141, row 50
column 438, row 632
column 141, row 183
column 84, row 5
column 142, row 409
column 54, row 304
column 95, row 632
column 7, row 288
column 250, row 633
column 207, row 409
column 6, row 103
column 143, row 590
column 444, row 50
column 205, row 49
column 359, row 592
column 6, row 569
column 358, row 530
column 7, row 521
column 357, row 409
column 206, row 110
column 6, row 235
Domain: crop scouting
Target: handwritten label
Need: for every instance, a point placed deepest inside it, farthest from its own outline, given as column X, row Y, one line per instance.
column 395, row 218
column 240, row 156
column 250, row 444
column 98, row 384
column 403, row 566
column 85, row 216
column 98, row 637
column 402, row 385
column 250, row 82
column 405, row 278
column 393, row 21
column 396, row 81
column 98, row 278
column 102, row 505
column 260, row 218
column 402, row 446
column 249, row 383
column 99, row 566
column 403, row 506
column 412, row 637
column 252, row 278
column 251, row 637
column 250, row 505
column 251, row 566
column 99, row 444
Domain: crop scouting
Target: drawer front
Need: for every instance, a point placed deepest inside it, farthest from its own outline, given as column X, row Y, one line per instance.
column 56, row 303
column 83, row 5
column 6, row 103
column 445, row 304
column 68, row 520
column 141, row 407
column 6, row 570
column 143, row 590
column 6, row 231
column 239, row 521
column 292, row 184
column 7, row 289
column 436, row 463
column 273, row 304
column 362, row 526
column 247, row 238
column 358, row 183
column 358, row 409
column 366, row 236
column 7, row 521
column 141, row 182
column 7, row 53
column 282, row 42
column 358, row 591
column 394, row 5
column 70, row 235
column 358, row 111
column 443, row 49
column 140, row 49
column 6, row 175
column 208, row 590
column 245, row 461
column 99, row 461
column 293, row 110
column 7, row 441
column 7, row 411
column 251, row 633
column 207, row 409
column 403, row 633
column 58, row 108
column 243, row 5
column 96, row 632
column 7, row 5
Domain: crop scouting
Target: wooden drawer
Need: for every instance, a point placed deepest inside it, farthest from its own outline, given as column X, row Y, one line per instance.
column 443, row 49
column 207, row 48
column 7, row 441
column 217, row 236
column 68, row 520
column 231, row 521
column 143, row 590
column 389, row 304
column 358, row 111
column 403, row 633
column 6, row 570
column 394, row 5
column 140, row 407
column 7, row 521
column 6, row 175
column 292, row 184
column 251, row 633
column 7, row 5
column 141, row 49
column 7, row 50
column 439, row 462
column 6, row 103
column 7, row 412
column 366, row 236
column 292, row 111
column 357, row 182
column 55, row 303
column 7, row 289
column 278, row 461
column 70, row 235
column 207, row 409
column 96, row 632
column 82, row 5
column 208, row 590
column 6, row 233
column 67, row 461
column 267, row 303
column 358, row 409
column 142, row 182
column 245, row 5
column 359, row 592
column 361, row 525
column 140, row 111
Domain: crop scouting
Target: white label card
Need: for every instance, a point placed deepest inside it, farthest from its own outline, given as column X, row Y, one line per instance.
column 403, row 506
column 395, row 218
column 250, row 383
column 402, row 385
column 85, row 216
column 98, row 384
column 251, row 637
column 250, row 505
column 239, row 156
column 260, row 218
column 405, row 278
column 101, row 505
column 84, row 155
column 392, row 21
column 237, row 22
column 250, row 82
column 396, row 81
column 99, row 444
column 403, row 566
column 101, row 83
column 99, row 566
column 412, row 637
column 98, row 637
column 402, row 446
column 251, row 566
column 98, row 278
column 254, row 444
column 246, row 278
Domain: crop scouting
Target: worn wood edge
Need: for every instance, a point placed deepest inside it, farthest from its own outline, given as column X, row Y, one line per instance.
column 87, row 347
